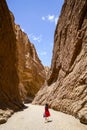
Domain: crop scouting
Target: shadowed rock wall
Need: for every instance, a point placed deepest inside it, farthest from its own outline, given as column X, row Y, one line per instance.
column 9, row 94
column 66, row 87
column 21, row 72
column 9, row 81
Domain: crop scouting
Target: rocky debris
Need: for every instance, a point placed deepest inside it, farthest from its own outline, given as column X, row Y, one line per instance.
column 66, row 87
column 4, row 115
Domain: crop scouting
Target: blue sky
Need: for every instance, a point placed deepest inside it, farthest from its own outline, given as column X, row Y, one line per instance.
column 38, row 19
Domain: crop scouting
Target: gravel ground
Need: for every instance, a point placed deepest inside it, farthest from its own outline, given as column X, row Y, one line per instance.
column 31, row 118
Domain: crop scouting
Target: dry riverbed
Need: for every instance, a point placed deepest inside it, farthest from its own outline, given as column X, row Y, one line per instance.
column 31, row 118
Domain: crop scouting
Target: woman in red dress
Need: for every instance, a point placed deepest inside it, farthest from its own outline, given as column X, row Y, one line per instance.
column 47, row 113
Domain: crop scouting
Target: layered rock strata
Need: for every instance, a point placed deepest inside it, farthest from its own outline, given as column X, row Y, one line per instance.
column 9, row 81
column 66, row 87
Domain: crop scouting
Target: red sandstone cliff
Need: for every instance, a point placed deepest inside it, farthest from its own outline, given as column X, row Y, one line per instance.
column 66, row 88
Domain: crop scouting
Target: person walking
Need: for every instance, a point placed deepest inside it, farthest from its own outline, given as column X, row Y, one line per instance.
column 46, row 113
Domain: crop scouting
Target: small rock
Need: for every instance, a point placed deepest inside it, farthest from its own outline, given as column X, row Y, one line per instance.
column 83, row 120
column 3, row 120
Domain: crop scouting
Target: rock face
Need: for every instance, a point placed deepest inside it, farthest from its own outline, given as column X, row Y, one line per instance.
column 9, row 93
column 31, row 71
column 66, row 87
column 9, row 81
column 21, row 71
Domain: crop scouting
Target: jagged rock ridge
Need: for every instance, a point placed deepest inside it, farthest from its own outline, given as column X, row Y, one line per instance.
column 66, row 87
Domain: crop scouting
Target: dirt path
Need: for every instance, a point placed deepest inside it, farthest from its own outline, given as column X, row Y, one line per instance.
column 32, row 119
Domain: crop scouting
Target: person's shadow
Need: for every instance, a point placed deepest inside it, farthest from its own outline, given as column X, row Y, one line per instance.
column 49, row 121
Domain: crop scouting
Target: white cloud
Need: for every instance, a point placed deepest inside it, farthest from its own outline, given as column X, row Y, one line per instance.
column 22, row 29
column 43, row 18
column 50, row 18
column 35, row 38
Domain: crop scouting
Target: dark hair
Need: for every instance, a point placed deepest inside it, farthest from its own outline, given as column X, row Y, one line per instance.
column 46, row 105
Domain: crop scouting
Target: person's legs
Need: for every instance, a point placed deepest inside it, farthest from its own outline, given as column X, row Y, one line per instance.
column 45, row 119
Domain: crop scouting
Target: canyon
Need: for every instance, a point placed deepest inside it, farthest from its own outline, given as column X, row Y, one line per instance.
column 24, row 79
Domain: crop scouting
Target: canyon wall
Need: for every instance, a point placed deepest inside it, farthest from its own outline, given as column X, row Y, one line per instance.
column 9, row 80
column 66, row 86
column 31, row 71
column 9, row 93
column 21, row 72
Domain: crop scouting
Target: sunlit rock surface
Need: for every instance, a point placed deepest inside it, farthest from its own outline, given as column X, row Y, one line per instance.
column 31, row 71
column 66, row 87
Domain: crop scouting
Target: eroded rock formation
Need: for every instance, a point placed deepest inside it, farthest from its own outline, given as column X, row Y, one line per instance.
column 66, row 87
column 21, row 71
column 9, row 92
column 31, row 71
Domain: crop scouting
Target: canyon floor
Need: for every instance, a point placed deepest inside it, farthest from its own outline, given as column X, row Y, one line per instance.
column 31, row 118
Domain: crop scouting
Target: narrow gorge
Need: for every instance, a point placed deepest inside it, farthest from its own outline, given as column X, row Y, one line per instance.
column 23, row 78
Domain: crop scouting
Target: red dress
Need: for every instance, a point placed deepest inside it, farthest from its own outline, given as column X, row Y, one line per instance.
column 47, row 113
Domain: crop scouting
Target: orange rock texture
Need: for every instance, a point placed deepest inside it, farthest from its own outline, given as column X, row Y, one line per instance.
column 9, row 81
column 31, row 71
column 10, row 99
column 66, row 87
column 21, row 71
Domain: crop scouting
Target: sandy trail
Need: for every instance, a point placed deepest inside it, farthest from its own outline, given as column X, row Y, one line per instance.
column 32, row 119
